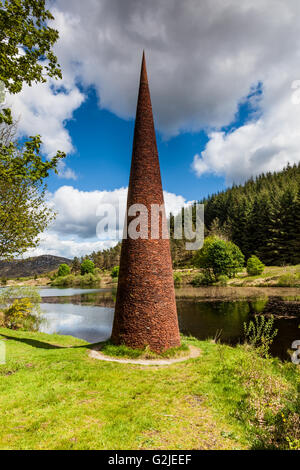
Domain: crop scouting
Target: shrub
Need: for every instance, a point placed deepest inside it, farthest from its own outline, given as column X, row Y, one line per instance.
column 177, row 277
column 255, row 266
column 87, row 267
column 200, row 280
column 63, row 270
column 3, row 281
column 219, row 257
column 115, row 272
column 72, row 280
column 260, row 333
column 65, row 281
column 289, row 280
column 20, row 308
column 88, row 279
column 223, row 280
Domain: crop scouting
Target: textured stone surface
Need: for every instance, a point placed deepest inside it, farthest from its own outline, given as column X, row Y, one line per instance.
column 145, row 312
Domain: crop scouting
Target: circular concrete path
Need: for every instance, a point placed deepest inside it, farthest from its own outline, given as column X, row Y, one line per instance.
column 193, row 353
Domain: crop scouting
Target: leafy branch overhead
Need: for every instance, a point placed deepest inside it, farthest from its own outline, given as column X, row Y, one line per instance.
column 26, row 57
column 26, row 43
column 24, row 213
column 19, row 165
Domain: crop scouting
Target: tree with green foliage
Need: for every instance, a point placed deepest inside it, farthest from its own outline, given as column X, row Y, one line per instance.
column 107, row 259
column 20, row 307
column 64, row 270
column 87, row 267
column 75, row 266
column 26, row 46
column 262, row 215
column 115, row 272
column 26, row 57
column 24, row 213
column 255, row 266
column 219, row 257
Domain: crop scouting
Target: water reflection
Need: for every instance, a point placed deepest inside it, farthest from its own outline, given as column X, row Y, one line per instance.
column 68, row 292
column 205, row 319
column 203, row 312
column 93, row 324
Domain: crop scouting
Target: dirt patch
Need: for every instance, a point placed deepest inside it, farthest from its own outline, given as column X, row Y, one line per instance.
column 39, row 282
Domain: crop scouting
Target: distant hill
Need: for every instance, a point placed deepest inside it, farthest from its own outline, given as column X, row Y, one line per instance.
column 31, row 266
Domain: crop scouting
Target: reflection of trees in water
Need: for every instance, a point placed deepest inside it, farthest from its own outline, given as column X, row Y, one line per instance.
column 280, row 307
column 204, row 319
column 100, row 299
column 258, row 305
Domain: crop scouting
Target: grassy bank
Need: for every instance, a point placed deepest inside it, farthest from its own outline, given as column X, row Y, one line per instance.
column 53, row 396
column 273, row 276
column 103, row 279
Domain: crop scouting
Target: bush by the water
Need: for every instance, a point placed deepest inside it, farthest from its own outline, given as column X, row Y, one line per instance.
column 255, row 266
column 64, row 281
column 115, row 272
column 20, row 308
column 200, row 280
column 87, row 267
column 223, row 280
column 177, row 277
column 219, row 257
column 63, row 270
column 260, row 333
column 289, row 280
column 72, row 280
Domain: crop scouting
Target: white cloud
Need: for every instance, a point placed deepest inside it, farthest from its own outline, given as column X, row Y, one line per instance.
column 77, row 209
column 65, row 172
column 52, row 244
column 43, row 109
column 267, row 144
column 74, row 231
column 203, row 59
column 203, row 56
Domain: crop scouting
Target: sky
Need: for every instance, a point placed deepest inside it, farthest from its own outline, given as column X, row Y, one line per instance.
column 224, row 77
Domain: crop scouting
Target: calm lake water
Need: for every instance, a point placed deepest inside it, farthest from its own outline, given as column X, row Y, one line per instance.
column 202, row 312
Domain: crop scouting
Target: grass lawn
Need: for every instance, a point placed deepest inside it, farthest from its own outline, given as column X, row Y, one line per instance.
column 54, row 396
column 280, row 276
column 273, row 276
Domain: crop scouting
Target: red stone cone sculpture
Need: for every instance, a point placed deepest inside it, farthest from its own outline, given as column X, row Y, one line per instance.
column 145, row 313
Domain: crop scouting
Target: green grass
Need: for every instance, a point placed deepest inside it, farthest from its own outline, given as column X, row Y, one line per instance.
column 72, row 280
column 123, row 351
column 54, row 396
column 273, row 276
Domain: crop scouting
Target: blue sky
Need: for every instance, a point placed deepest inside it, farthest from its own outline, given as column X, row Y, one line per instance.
column 103, row 143
column 224, row 80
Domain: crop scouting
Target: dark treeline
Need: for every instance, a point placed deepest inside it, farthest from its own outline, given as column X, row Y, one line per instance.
column 105, row 259
column 261, row 216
